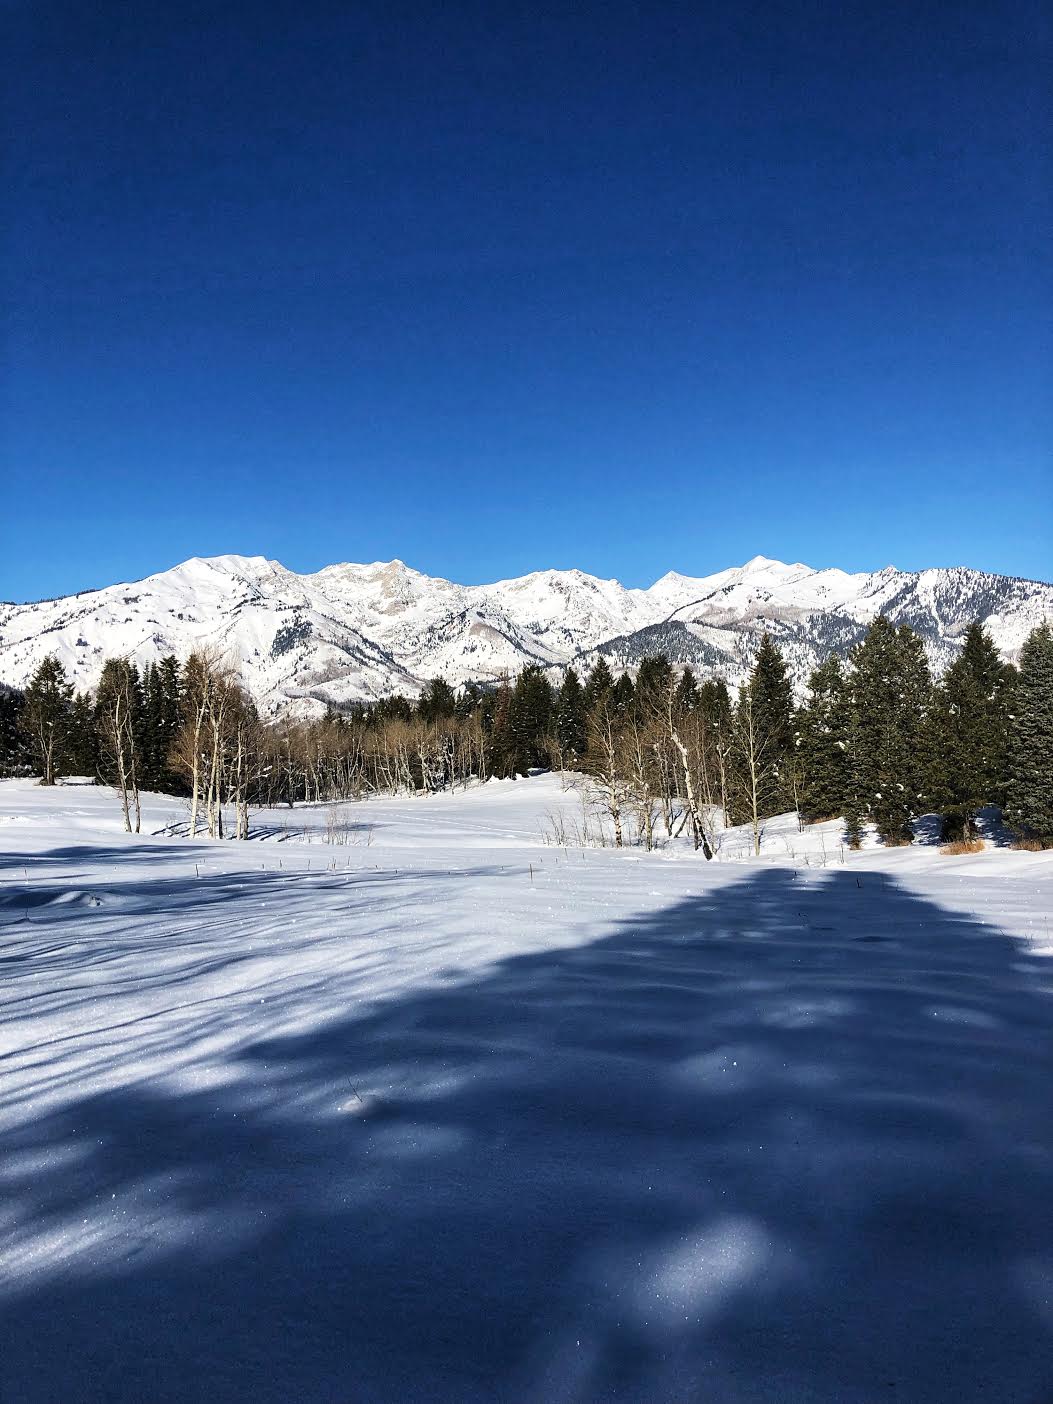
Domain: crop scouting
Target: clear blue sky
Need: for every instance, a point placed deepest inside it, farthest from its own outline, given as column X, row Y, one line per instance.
column 492, row 287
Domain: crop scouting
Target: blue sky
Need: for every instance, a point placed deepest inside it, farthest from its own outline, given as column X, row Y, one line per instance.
column 498, row 287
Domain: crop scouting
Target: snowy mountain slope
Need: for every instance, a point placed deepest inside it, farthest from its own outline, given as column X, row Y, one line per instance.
column 353, row 631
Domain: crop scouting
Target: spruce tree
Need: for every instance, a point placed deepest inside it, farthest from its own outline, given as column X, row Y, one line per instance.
column 502, row 747
column 530, row 719
column 120, row 683
column 82, row 746
column 623, row 696
column 969, row 733
column 598, row 683
column 169, row 684
column 687, row 694
column 762, row 753
column 438, row 701
column 823, row 732
column 45, row 718
column 772, row 696
column 654, row 677
column 890, row 691
column 1029, row 807
column 14, row 748
column 570, row 718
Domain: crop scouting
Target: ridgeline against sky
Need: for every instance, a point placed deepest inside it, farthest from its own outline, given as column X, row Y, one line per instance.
column 493, row 287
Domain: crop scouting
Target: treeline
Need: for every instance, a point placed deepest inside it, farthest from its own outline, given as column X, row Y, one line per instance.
column 875, row 740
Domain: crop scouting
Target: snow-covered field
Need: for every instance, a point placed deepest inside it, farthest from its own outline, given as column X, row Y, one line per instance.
column 440, row 1111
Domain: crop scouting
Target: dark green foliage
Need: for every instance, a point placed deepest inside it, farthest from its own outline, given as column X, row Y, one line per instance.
column 762, row 754
column 1029, row 805
column 853, row 823
column 502, row 746
column 82, row 750
column 969, row 734
column 437, row 702
column 469, row 699
column 14, row 748
column 530, row 721
column 654, row 678
column 598, row 683
column 622, row 696
column 289, row 636
column 45, row 719
column 891, row 691
column 570, row 719
column 772, row 696
column 714, row 702
column 686, row 698
column 120, row 679
column 166, row 720
column 822, row 744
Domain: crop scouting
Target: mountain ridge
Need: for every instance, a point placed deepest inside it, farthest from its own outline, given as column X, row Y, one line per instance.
column 353, row 631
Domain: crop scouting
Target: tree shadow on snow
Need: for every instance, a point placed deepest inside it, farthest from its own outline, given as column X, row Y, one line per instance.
column 786, row 1141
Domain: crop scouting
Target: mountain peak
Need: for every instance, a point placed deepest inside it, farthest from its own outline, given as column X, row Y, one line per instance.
column 351, row 632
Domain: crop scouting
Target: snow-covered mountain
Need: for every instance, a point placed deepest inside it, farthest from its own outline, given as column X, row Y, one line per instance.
column 352, row 632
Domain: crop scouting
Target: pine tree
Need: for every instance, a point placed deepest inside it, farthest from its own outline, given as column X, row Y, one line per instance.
column 969, row 733
column 570, row 718
column 891, row 690
column 1029, row 806
column 772, row 696
column 687, row 694
column 14, row 749
column 502, row 746
column 622, row 696
column 598, row 683
column 438, row 701
column 530, row 720
column 654, row 677
column 82, row 747
column 823, row 730
column 46, row 718
column 468, row 700
column 119, row 717
column 762, row 735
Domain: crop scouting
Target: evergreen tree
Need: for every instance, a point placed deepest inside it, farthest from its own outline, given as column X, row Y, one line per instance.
column 570, row 718
column 82, row 747
column 14, row 749
column 120, row 681
column 438, row 701
column 687, row 694
column 891, row 690
column 969, row 734
column 654, row 677
column 772, row 696
column 468, row 700
column 1029, row 806
column 502, row 746
column 622, row 696
column 823, row 738
column 714, row 702
column 762, row 732
column 598, row 683
column 161, row 720
column 530, row 720
column 45, row 718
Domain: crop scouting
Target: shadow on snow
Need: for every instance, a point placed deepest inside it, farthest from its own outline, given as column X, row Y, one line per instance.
column 790, row 1140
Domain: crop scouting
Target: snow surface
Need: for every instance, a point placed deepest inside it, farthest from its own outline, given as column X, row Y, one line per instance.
column 439, row 1111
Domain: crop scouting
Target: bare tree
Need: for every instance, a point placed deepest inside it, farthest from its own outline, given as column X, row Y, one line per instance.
column 116, row 718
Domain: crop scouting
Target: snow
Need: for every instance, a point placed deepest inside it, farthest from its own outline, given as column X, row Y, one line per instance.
column 351, row 632
column 441, row 1111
